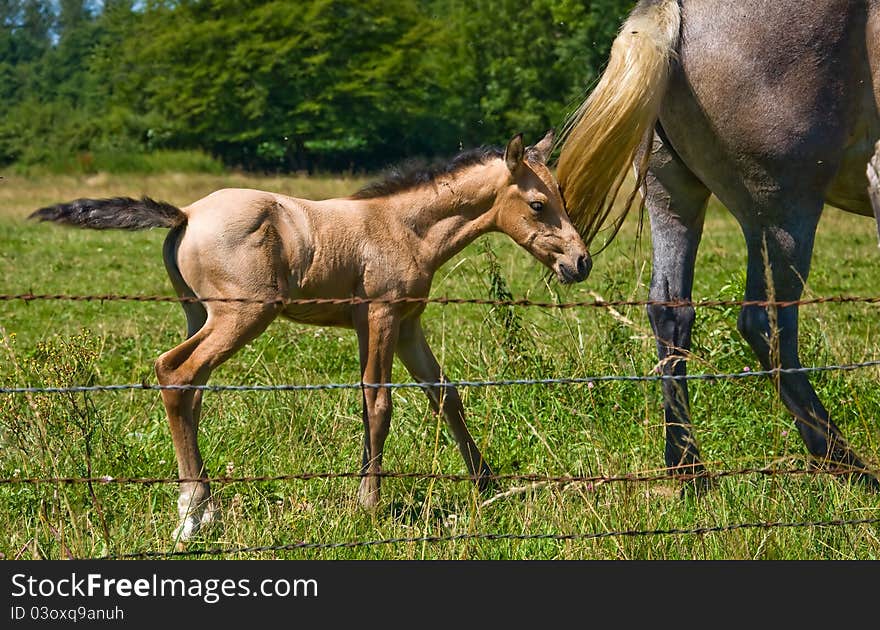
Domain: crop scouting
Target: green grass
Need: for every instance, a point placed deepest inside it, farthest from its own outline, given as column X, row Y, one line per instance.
column 123, row 161
column 608, row 429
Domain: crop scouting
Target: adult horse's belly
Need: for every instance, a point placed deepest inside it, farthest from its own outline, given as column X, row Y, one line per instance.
column 849, row 189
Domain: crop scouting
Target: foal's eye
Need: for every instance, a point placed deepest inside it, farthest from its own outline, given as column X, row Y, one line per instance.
column 537, row 206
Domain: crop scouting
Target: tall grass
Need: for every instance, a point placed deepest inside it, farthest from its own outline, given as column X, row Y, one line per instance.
column 606, row 429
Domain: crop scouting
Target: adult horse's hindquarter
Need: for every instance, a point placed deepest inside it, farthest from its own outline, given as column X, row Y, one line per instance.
column 771, row 106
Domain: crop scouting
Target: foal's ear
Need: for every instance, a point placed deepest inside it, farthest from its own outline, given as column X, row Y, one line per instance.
column 544, row 148
column 513, row 154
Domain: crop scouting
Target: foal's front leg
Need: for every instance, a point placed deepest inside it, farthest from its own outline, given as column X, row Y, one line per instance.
column 377, row 328
column 416, row 355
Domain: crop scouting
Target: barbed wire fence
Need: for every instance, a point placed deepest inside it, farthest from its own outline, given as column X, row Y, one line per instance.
column 562, row 480
column 441, row 300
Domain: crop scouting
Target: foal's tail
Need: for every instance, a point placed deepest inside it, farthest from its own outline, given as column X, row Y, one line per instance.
column 122, row 213
column 601, row 139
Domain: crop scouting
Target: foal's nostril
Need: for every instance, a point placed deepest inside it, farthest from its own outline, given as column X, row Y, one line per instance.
column 584, row 265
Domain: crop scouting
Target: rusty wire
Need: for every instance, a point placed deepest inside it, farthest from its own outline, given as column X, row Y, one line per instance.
column 284, row 301
column 637, row 477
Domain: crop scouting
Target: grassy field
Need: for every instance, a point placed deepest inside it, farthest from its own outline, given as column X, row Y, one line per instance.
column 605, row 429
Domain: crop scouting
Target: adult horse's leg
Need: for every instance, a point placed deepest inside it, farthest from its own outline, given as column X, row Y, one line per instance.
column 676, row 202
column 190, row 364
column 772, row 332
column 416, row 355
column 377, row 328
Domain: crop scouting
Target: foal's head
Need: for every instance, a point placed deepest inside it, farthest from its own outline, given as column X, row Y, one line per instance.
column 530, row 211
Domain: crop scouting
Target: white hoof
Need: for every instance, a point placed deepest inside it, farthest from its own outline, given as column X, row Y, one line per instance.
column 188, row 528
column 194, row 518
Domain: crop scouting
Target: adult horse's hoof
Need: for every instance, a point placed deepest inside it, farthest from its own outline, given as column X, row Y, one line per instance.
column 368, row 493
column 486, row 482
column 696, row 481
column 848, row 469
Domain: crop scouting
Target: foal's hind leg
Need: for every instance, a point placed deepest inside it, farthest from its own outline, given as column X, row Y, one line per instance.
column 773, row 332
column 676, row 201
column 227, row 329
column 416, row 355
column 196, row 316
column 191, row 494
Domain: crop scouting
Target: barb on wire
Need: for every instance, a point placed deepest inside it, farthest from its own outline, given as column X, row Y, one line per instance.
column 442, row 300
column 640, row 477
column 695, row 531
column 458, row 384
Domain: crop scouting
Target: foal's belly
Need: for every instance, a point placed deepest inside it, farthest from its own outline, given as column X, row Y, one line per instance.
column 320, row 314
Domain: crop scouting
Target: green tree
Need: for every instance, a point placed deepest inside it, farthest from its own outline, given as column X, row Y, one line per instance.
column 274, row 84
column 281, row 84
column 24, row 41
column 525, row 66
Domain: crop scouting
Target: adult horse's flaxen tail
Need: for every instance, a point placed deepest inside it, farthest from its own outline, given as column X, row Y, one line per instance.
column 123, row 213
column 602, row 137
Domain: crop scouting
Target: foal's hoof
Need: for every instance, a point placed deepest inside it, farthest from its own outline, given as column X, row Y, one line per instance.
column 862, row 478
column 196, row 521
column 867, row 480
column 697, row 487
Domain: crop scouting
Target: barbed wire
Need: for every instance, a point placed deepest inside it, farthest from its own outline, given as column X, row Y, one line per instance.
column 699, row 531
column 639, row 477
column 664, row 475
column 586, row 380
column 284, row 301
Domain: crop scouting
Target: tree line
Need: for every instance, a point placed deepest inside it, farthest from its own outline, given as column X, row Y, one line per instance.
column 287, row 85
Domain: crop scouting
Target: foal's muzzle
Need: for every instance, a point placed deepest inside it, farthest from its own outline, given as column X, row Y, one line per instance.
column 576, row 271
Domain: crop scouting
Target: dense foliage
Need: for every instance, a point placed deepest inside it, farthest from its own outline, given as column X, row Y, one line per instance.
column 281, row 85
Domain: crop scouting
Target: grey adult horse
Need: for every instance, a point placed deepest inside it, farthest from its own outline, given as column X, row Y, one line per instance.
column 771, row 106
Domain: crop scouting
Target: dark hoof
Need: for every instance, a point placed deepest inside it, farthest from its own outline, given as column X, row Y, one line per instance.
column 697, row 487
column 868, row 480
column 861, row 478
column 696, row 481
column 486, row 482
column 854, row 473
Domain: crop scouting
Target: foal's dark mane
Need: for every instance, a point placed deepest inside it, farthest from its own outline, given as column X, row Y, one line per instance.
column 418, row 172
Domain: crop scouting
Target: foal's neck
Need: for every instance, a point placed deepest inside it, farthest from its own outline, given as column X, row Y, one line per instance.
column 448, row 214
